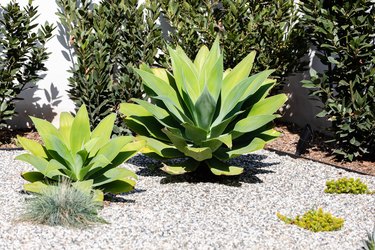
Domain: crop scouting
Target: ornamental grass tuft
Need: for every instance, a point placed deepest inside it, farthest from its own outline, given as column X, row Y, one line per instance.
column 62, row 205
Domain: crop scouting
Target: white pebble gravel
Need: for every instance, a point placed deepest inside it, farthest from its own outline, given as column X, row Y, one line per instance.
column 178, row 213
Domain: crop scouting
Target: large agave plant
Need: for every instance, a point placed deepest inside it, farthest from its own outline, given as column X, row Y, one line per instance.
column 202, row 113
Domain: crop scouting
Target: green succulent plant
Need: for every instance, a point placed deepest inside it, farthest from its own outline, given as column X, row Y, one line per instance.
column 62, row 205
column 89, row 159
column 202, row 113
column 347, row 186
column 369, row 243
column 315, row 220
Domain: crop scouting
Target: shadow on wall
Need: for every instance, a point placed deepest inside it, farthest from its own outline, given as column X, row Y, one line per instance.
column 302, row 108
column 31, row 106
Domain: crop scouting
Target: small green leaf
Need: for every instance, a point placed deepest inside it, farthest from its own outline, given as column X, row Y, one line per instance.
column 218, row 167
column 189, row 165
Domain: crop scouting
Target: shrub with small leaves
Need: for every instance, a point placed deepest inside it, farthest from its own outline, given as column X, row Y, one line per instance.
column 343, row 33
column 346, row 186
column 315, row 220
column 270, row 28
column 23, row 53
column 62, row 205
column 369, row 243
column 106, row 40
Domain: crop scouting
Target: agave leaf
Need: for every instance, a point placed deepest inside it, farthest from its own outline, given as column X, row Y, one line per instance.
column 160, row 87
column 66, row 121
column 211, row 74
column 96, row 164
column 116, row 181
column 39, row 163
column 252, row 123
column 35, row 187
column 268, row 105
column 161, row 73
column 131, row 109
column 233, row 101
column 44, row 129
column 98, row 195
column 33, row 176
column 32, row 146
column 194, row 133
column 53, row 169
column 84, row 186
column 218, row 128
column 240, row 72
column 218, row 167
column 216, row 142
column 56, row 145
column 213, row 79
column 160, row 114
column 80, row 131
column 198, row 154
column 205, row 110
column 179, row 114
column 141, row 120
column 146, row 125
column 126, row 153
column 104, row 128
column 260, row 79
column 260, row 94
column 189, row 165
column 113, row 147
column 185, row 74
column 254, row 145
column 201, row 57
column 157, row 148
column 91, row 145
column 118, row 186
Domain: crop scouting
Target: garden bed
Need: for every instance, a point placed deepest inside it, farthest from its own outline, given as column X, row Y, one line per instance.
column 166, row 212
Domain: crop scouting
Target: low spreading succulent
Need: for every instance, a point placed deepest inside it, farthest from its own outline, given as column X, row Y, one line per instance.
column 89, row 159
column 62, row 205
column 203, row 114
column 347, row 186
column 315, row 220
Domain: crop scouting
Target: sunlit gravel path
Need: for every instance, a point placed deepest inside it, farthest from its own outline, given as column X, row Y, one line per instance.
column 183, row 213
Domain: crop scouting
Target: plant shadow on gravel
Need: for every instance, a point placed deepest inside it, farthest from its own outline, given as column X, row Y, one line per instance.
column 252, row 164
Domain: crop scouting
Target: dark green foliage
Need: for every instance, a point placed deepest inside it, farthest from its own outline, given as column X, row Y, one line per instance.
column 315, row 220
column 369, row 243
column 62, row 205
column 22, row 54
column 343, row 32
column 346, row 186
column 108, row 39
column 268, row 27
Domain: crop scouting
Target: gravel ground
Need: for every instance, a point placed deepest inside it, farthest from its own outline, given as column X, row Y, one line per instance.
column 183, row 213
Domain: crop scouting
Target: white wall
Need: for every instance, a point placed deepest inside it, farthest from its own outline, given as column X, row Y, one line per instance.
column 38, row 101
column 53, row 85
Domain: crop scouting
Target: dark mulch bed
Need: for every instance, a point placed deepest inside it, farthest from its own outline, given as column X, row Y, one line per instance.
column 317, row 149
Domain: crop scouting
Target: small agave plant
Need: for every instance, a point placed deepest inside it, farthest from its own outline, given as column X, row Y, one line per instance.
column 203, row 114
column 88, row 159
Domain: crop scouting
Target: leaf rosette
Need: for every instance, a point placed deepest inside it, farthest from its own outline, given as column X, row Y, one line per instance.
column 89, row 159
column 202, row 113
